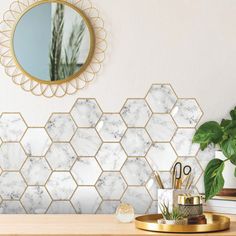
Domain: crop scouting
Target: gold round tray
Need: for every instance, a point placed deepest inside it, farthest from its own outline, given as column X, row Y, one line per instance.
column 214, row 223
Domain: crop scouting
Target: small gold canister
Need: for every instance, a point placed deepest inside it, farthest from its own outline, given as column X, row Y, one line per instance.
column 190, row 206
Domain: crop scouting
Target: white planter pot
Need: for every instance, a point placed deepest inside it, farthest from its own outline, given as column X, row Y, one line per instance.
column 228, row 173
column 173, row 222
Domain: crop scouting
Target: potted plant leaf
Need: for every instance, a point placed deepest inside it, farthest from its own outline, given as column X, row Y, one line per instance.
column 222, row 169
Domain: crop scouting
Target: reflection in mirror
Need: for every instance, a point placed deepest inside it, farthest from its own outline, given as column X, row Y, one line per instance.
column 52, row 42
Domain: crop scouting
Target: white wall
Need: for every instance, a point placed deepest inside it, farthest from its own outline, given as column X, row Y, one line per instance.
column 188, row 43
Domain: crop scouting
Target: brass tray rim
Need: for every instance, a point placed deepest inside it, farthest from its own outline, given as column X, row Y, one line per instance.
column 219, row 223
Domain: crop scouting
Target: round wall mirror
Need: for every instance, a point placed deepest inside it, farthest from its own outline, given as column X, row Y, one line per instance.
column 53, row 42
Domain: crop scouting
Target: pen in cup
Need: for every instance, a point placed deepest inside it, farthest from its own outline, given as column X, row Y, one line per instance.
column 158, row 179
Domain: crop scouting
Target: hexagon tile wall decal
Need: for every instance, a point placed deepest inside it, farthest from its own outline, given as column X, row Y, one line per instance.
column 88, row 161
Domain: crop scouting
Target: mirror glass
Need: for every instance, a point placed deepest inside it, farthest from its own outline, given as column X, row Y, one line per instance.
column 52, row 42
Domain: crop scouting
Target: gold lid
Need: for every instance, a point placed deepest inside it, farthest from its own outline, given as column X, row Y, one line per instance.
column 189, row 199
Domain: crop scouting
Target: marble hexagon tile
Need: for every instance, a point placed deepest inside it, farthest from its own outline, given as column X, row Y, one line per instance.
column 61, row 156
column 111, row 156
column 136, row 142
column 136, row 171
column 136, row 112
column 36, row 142
column 12, row 127
column 182, row 142
column 88, row 160
column 60, row 127
column 111, row 127
column 86, row 142
column 86, row 112
column 11, row 207
column 61, row 185
column 61, row 207
column 186, row 112
column 86, row 200
column 12, row 156
column 161, row 156
column 161, row 98
column 36, row 200
column 161, row 127
column 111, row 185
column 108, row 207
column 86, row 171
column 12, row 185
column 36, row 171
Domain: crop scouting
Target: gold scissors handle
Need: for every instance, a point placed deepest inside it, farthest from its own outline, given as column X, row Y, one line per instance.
column 176, row 175
column 178, row 171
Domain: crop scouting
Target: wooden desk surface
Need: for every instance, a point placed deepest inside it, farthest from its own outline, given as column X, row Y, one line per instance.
column 17, row 225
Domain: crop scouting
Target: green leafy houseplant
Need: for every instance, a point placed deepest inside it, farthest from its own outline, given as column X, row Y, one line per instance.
column 222, row 134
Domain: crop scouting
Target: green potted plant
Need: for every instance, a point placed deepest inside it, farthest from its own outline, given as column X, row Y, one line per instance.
column 222, row 135
column 174, row 217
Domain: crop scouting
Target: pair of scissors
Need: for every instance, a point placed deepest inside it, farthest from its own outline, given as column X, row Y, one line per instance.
column 178, row 171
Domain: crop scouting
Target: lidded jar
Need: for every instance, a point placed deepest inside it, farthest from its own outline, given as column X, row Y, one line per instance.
column 190, row 206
